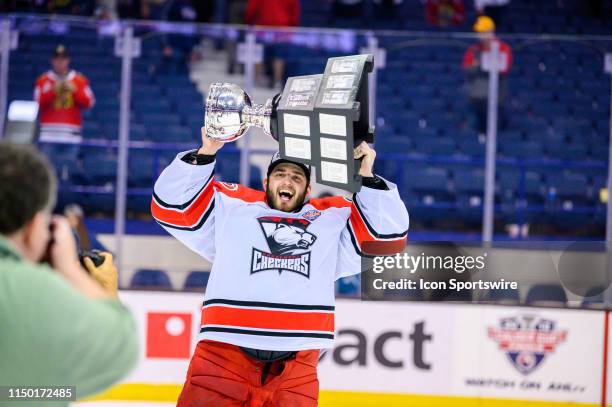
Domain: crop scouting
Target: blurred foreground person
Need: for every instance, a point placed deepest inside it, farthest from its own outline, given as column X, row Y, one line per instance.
column 60, row 325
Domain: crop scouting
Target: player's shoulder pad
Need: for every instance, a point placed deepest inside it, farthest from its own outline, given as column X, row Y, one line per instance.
column 238, row 191
column 331, row 202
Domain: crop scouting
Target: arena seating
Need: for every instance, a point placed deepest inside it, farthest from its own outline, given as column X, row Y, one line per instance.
column 150, row 279
column 509, row 296
column 196, row 281
column 546, row 294
column 555, row 117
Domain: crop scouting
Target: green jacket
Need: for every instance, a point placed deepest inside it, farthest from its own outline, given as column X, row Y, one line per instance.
column 51, row 335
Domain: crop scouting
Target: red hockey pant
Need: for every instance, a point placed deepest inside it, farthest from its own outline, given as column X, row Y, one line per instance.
column 220, row 375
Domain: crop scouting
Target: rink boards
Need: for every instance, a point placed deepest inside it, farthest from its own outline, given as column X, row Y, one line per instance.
column 398, row 354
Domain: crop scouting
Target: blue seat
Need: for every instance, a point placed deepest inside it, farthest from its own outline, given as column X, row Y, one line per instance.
column 452, row 295
column 196, row 280
column 564, row 151
column 140, row 202
column 100, row 170
column 155, row 106
column 185, row 95
column 138, row 132
column 150, row 279
column 469, row 144
column 145, row 93
column 348, row 286
column 431, row 179
column 436, row 146
column 546, row 294
column 525, row 150
column 469, row 181
column 255, row 178
column 160, row 120
column 503, row 296
column 170, row 134
column 102, row 202
column 394, row 144
column 107, row 115
column 140, row 168
column 404, row 295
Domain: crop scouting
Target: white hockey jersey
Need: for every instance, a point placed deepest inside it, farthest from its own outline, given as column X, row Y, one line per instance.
column 272, row 282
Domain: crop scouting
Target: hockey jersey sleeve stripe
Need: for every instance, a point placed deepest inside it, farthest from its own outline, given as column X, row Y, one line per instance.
column 267, row 333
column 191, row 215
column 370, row 247
column 268, row 319
column 261, row 304
column 364, row 228
column 191, row 228
column 189, row 202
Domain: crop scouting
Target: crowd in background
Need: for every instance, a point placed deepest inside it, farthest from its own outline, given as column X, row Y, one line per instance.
column 438, row 13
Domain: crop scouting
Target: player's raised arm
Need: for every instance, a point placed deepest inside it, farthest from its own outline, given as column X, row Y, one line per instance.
column 378, row 215
column 184, row 197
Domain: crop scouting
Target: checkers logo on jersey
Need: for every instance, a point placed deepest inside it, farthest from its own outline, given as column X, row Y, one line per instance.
column 289, row 244
column 527, row 340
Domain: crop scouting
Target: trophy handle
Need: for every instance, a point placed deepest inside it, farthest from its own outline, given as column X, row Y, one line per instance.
column 263, row 116
column 274, row 116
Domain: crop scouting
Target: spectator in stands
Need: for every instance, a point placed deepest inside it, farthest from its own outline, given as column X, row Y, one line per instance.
column 492, row 8
column 60, row 325
column 478, row 78
column 76, row 218
column 277, row 13
column 62, row 93
column 444, row 13
column 235, row 15
column 154, row 9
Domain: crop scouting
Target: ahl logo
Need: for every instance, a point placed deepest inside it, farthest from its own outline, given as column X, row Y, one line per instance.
column 527, row 340
column 289, row 245
column 311, row 214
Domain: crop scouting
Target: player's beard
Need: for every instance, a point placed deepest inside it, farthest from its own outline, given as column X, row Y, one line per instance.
column 274, row 200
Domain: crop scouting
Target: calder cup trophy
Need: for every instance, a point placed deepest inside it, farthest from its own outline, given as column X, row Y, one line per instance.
column 317, row 119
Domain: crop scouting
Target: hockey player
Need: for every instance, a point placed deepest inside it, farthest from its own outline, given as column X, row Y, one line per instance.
column 269, row 302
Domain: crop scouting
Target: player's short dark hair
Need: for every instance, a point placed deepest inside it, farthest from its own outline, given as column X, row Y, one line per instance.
column 27, row 186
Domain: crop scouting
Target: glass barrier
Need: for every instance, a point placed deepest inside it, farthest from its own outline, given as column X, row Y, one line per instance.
column 430, row 116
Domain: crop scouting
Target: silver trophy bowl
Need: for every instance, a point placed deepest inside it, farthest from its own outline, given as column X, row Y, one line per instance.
column 229, row 113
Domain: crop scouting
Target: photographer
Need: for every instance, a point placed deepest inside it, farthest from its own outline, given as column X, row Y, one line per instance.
column 60, row 326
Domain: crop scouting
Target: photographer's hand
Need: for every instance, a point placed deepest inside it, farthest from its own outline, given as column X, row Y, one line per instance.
column 64, row 259
column 106, row 274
